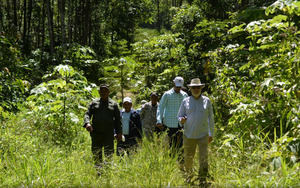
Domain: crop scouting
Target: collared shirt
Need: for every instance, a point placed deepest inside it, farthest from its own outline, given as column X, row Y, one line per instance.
column 104, row 116
column 148, row 115
column 200, row 117
column 168, row 108
column 134, row 128
column 125, row 122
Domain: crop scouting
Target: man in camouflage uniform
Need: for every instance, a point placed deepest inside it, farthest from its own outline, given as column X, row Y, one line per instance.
column 148, row 116
column 103, row 120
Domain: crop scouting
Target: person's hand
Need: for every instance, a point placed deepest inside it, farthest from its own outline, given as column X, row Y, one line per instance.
column 89, row 127
column 119, row 136
column 210, row 139
column 160, row 126
column 183, row 120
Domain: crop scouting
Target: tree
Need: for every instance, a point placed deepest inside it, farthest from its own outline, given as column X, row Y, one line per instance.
column 50, row 25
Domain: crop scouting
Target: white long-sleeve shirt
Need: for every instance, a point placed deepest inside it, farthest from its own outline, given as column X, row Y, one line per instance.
column 200, row 117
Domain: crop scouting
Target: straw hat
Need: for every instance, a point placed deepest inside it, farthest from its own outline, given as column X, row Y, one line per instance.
column 195, row 82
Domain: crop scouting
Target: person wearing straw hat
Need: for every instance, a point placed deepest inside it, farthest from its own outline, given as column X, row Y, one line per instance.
column 196, row 115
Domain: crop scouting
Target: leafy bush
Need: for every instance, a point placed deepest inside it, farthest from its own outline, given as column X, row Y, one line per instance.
column 158, row 61
column 13, row 86
column 57, row 105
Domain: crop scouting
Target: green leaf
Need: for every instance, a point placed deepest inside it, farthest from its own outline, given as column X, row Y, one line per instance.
column 65, row 70
column 236, row 29
column 95, row 93
column 266, row 82
column 74, row 117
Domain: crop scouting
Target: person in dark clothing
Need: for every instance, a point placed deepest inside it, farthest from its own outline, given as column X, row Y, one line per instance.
column 103, row 120
column 131, row 126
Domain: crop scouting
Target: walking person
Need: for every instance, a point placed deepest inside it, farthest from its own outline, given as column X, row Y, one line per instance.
column 167, row 113
column 196, row 115
column 148, row 116
column 131, row 126
column 102, row 120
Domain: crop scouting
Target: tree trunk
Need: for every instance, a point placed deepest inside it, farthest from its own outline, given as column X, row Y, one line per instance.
column 90, row 24
column 1, row 18
column 28, row 33
column 87, row 21
column 62, row 5
column 70, row 21
column 50, row 26
column 24, row 20
column 15, row 16
column 43, row 36
column 158, row 16
column 8, row 17
column 25, row 27
column 76, row 23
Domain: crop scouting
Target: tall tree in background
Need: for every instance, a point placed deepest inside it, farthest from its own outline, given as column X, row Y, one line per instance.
column 1, row 17
column 61, row 7
column 158, row 15
column 50, row 25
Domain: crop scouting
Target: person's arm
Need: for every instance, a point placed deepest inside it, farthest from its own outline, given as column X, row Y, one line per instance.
column 117, row 122
column 87, row 118
column 138, row 125
column 161, row 109
column 211, row 122
column 143, row 111
column 182, row 113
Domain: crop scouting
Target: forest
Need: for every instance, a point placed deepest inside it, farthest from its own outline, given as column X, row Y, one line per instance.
column 55, row 53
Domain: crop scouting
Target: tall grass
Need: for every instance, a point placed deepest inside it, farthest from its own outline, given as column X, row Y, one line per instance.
column 28, row 160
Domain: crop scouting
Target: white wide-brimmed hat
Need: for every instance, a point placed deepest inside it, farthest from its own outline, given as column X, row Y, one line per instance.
column 195, row 82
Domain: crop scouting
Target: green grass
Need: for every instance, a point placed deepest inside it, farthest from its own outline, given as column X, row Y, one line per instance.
column 29, row 160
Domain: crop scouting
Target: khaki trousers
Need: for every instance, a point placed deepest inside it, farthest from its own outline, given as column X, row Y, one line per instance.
column 190, row 146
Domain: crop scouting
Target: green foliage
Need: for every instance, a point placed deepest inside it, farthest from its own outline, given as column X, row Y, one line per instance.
column 253, row 160
column 256, row 78
column 118, row 74
column 235, row 161
column 57, row 104
column 250, row 64
column 12, row 86
column 289, row 7
column 82, row 58
column 158, row 61
column 186, row 19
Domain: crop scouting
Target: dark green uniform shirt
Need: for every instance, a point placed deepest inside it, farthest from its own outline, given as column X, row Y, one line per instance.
column 104, row 116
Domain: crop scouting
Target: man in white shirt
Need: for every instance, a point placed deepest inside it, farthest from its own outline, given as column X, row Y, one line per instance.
column 196, row 115
column 168, row 110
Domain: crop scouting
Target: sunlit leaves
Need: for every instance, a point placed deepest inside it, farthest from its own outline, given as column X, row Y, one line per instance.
column 236, row 29
column 255, row 77
column 286, row 6
column 65, row 70
column 59, row 102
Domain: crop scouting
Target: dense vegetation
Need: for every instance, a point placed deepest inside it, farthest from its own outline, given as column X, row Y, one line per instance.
column 53, row 54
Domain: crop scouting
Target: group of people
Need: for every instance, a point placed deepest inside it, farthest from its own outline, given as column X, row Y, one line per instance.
column 188, row 120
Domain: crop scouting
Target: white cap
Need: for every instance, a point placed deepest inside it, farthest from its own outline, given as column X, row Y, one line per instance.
column 127, row 99
column 178, row 81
